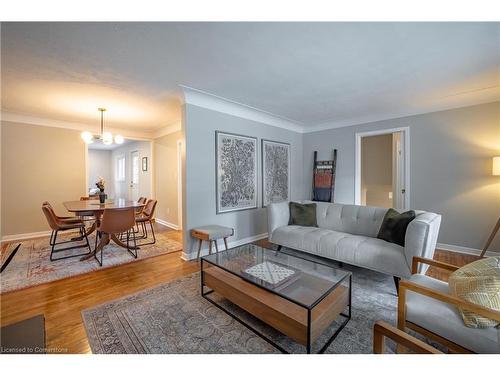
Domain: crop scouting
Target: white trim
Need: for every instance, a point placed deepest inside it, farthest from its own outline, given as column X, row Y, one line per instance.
column 465, row 250
column 167, row 224
column 28, row 236
column 87, row 170
column 357, row 160
column 179, row 183
column 217, row 103
column 230, row 244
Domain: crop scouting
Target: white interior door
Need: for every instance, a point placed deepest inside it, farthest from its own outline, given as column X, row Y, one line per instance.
column 134, row 175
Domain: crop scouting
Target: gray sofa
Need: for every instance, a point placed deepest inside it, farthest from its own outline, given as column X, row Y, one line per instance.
column 347, row 233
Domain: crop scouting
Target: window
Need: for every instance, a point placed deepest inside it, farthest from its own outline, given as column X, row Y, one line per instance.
column 120, row 168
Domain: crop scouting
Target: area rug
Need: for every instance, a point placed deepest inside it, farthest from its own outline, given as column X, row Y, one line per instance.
column 32, row 266
column 174, row 318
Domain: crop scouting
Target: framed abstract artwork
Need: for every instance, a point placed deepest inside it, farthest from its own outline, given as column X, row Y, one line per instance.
column 275, row 172
column 236, row 172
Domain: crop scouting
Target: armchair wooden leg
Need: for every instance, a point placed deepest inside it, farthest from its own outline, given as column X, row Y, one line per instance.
column 209, row 247
column 216, row 248
column 225, row 242
column 396, row 283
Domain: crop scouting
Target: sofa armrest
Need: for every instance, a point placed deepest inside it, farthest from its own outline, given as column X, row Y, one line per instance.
column 278, row 215
column 421, row 238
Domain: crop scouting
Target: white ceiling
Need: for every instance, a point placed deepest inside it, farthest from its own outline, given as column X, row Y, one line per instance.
column 310, row 73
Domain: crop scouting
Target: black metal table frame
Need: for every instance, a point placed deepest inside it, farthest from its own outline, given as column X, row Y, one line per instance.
column 308, row 308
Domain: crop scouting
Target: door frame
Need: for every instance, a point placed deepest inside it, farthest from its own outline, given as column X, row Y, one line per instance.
column 179, row 183
column 357, row 161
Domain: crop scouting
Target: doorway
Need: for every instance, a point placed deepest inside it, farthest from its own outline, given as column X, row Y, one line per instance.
column 382, row 168
column 134, row 176
column 126, row 169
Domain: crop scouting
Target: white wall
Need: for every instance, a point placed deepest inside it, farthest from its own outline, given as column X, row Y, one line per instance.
column 199, row 125
column 121, row 189
column 100, row 165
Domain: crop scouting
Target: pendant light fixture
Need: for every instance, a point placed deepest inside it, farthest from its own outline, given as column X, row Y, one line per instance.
column 105, row 137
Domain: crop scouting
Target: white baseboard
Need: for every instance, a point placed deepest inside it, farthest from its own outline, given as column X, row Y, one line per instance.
column 465, row 250
column 230, row 244
column 29, row 236
column 167, row 224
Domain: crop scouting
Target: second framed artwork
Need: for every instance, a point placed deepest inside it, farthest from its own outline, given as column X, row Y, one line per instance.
column 275, row 172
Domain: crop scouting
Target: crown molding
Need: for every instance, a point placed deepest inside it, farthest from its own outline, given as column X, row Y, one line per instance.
column 40, row 121
column 217, row 103
column 328, row 125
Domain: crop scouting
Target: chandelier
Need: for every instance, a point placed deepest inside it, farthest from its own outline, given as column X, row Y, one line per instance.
column 106, row 137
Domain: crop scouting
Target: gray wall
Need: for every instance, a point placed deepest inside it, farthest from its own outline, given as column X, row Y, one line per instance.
column 199, row 126
column 450, row 168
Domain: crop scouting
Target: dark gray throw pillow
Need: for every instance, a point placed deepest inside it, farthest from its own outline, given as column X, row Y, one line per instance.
column 303, row 214
column 393, row 228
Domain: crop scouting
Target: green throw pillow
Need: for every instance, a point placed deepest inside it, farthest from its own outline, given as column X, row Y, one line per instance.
column 393, row 228
column 303, row 214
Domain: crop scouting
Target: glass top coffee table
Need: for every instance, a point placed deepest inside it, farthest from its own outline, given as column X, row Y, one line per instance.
column 298, row 297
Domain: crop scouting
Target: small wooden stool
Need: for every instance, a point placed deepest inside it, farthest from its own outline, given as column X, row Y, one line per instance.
column 211, row 233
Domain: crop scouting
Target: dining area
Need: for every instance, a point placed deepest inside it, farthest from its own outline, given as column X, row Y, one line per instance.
column 93, row 225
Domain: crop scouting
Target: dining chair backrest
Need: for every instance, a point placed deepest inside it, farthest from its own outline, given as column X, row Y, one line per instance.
column 51, row 217
column 149, row 209
column 141, row 200
column 117, row 220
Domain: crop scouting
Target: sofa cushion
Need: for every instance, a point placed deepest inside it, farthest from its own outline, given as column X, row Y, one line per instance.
column 300, row 238
column 445, row 319
column 363, row 251
column 303, row 214
column 359, row 220
column 393, row 228
column 367, row 252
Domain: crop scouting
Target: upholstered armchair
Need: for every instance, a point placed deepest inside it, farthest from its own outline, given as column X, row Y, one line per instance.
column 426, row 306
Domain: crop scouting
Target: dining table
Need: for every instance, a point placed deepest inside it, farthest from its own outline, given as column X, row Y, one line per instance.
column 95, row 208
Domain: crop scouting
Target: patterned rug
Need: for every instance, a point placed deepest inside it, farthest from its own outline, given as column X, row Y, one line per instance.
column 32, row 266
column 174, row 318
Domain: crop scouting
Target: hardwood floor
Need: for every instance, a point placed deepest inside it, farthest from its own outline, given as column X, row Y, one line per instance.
column 63, row 300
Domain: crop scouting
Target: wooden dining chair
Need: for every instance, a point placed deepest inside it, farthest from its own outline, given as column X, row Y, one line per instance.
column 144, row 218
column 115, row 221
column 61, row 224
column 138, row 211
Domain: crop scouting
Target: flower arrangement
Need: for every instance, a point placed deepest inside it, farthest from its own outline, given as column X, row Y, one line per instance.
column 100, row 184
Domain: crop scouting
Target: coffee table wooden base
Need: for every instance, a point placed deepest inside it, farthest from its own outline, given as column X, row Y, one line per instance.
column 301, row 324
